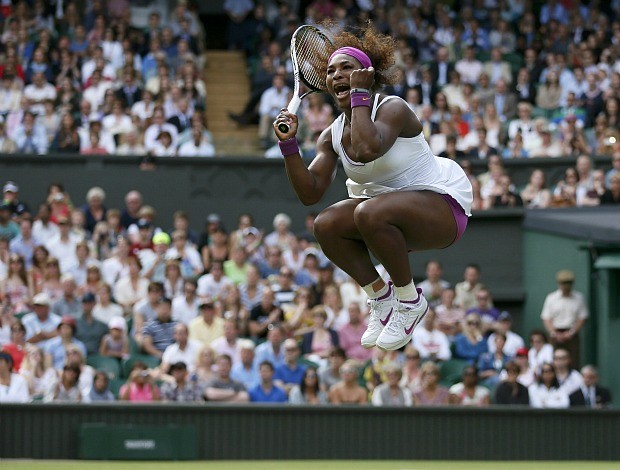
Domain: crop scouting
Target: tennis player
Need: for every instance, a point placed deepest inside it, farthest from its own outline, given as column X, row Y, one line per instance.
column 402, row 197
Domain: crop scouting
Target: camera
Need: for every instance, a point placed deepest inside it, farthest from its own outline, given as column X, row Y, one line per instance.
column 144, row 374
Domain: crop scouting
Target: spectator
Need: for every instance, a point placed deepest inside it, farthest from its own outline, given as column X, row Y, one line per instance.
column 13, row 387
column 317, row 344
column 158, row 334
column 205, row 364
column 198, row 146
column 69, row 304
column 433, row 285
column 38, row 371
column 467, row 290
column 513, row 340
column 468, row 392
column 391, row 393
column 67, row 388
column 133, row 287
column 535, row 195
column 497, row 69
column 429, row 392
column 350, row 334
column 183, row 350
column 264, row 314
column 449, row 316
column 540, row 351
column 565, row 192
column 267, row 391
column 56, row 347
column 431, row 343
column 105, row 309
column 246, row 370
column 89, row 329
column 41, row 324
column 348, row 391
column 591, row 394
column 215, row 283
column 15, row 289
column 189, row 258
column 17, row 345
column 290, row 372
column 490, row 364
column 100, row 390
column 185, row 307
column 510, row 391
column 569, row 379
column 485, row 309
column 470, row 343
column 564, row 314
column 207, row 326
column 469, row 67
column 271, row 102
column 115, row 343
column 30, row 137
column 546, row 392
column 140, row 385
column 309, row 391
column 612, row 196
column 272, row 350
column 182, row 388
column 222, row 388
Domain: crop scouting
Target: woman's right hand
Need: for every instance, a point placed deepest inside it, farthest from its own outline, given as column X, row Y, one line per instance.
column 287, row 118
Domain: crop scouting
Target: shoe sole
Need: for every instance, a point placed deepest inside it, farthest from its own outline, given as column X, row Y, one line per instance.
column 406, row 340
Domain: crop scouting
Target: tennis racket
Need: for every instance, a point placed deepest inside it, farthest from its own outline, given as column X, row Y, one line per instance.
column 309, row 54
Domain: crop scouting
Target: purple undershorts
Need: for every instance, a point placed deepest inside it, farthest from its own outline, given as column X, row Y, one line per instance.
column 459, row 216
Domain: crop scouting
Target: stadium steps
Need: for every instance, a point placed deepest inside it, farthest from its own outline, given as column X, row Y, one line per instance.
column 228, row 89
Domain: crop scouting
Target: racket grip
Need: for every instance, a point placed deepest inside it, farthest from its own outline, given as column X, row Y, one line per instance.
column 292, row 108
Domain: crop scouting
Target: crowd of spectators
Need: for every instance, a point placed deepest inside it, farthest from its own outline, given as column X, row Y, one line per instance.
column 507, row 79
column 81, row 78
column 101, row 303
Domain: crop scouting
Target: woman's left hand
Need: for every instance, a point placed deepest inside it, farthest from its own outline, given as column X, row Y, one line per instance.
column 362, row 78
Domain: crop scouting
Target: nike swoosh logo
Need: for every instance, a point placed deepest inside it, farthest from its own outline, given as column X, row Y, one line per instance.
column 387, row 319
column 365, row 98
column 416, row 322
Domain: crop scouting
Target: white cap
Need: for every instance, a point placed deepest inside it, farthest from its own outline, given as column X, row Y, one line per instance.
column 118, row 323
column 41, row 299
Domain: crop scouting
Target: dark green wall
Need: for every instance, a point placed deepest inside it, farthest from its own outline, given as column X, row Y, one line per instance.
column 42, row 431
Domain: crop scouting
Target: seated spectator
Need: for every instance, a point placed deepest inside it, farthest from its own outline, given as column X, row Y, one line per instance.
column 433, row 285
column 115, row 343
column 158, row 334
column 513, row 340
column 467, row 290
column 163, row 146
column 133, row 287
column 30, row 137
column 569, row 379
column 7, row 145
column 549, row 146
column 267, row 391
column 16, row 348
column 510, row 391
column 183, row 350
column 67, row 388
column 104, row 310
column 391, row 393
column 612, row 196
column 246, row 370
column 197, row 146
column 348, row 391
column 429, row 392
column 468, row 392
column 208, row 325
column 317, row 344
column 350, row 334
column 222, row 388
column 272, row 350
column 100, row 390
column 565, row 192
column 535, row 195
column 229, row 342
column 490, row 364
column 448, row 315
column 431, row 343
column 140, row 385
column 485, row 309
column 264, row 314
column 470, row 343
column 591, row 394
column 290, row 372
column 504, row 195
column 13, row 387
column 131, row 144
column 38, row 371
column 56, row 347
column 205, row 364
column 329, row 373
column 14, row 288
column 527, row 376
column 593, row 196
column 69, row 304
column 182, row 388
column 309, row 391
column 546, row 392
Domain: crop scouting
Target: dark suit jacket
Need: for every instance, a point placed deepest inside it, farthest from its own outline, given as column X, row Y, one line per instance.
column 510, row 104
column 176, row 122
column 306, row 341
column 435, row 71
column 397, row 90
column 128, row 99
column 603, row 397
column 531, row 98
column 433, row 92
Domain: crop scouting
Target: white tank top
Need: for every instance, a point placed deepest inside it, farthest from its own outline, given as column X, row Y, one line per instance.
column 409, row 165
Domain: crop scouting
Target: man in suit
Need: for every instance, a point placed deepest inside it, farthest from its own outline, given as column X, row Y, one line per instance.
column 496, row 68
column 591, row 394
column 441, row 67
column 504, row 100
column 129, row 93
column 182, row 119
column 400, row 87
column 427, row 88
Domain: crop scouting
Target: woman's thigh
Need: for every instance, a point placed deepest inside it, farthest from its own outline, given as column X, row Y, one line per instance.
column 337, row 220
column 424, row 217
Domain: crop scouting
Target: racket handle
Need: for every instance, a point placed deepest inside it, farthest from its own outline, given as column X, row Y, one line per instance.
column 292, row 108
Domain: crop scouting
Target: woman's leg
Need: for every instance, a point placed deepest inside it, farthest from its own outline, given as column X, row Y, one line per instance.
column 342, row 243
column 393, row 224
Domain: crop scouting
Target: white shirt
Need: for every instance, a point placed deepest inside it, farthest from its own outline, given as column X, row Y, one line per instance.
column 572, row 382
column 564, row 311
column 431, row 342
column 542, row 397
column 117, row 124
column 184, row 312
column 105, row 314
column 537, row 359
column 143, row 110
column 64, row 250
column 513, row 342
column 191, row 255
column 112, row 270
column 189, row 355
column 209, row 287
column 16, row 391
column 220, row 346
column 153, row 131
column 35, row 93
column 190, row 149
column 272, row 101
column 95, row 94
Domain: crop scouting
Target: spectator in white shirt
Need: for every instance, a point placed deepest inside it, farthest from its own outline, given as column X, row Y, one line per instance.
column 432, row 343
column 198, row 146
column 38, row 92
column 185, row 307
column 182, row 350
column 154, row 130
column 63, row 245
column 215, row 283
column 95, row 93
column 513, row 340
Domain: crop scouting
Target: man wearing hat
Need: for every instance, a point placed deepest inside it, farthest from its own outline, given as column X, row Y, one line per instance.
column 66, row 336
column 13, row 387
column 10, row 196
column 564, row 314
column 89, row 329
column 41, row 325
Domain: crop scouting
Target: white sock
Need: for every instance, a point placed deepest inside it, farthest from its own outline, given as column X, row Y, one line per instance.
column 370, row 292
column 408, row 292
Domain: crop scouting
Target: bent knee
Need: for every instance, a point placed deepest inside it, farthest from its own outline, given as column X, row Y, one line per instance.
column 367, row 217
column 325, row 224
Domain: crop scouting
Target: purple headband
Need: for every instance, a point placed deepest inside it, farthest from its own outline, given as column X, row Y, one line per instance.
column 354, row 52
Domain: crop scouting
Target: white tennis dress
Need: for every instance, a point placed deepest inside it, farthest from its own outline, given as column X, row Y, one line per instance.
column 409, row 165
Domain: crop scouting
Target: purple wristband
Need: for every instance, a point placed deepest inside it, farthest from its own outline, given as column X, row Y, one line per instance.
column 360, row 98
column 288, row 147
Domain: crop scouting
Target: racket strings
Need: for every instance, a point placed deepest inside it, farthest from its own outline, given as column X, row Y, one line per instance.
column 312, row 52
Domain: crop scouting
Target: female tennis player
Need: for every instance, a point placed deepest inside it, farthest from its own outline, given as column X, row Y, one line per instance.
column 402, row 197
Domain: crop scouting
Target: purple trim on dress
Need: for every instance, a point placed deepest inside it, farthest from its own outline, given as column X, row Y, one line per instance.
column 459, row 216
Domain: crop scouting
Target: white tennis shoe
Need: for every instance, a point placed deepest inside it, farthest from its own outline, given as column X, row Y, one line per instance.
column 381, row 310
column 399, row 329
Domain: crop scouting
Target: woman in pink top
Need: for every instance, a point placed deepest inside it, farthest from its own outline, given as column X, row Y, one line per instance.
column 139, row 386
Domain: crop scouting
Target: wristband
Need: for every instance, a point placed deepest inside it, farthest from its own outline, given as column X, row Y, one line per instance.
column 288, row 147
column 360, row 97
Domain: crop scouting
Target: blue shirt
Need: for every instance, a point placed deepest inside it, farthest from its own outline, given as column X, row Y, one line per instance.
column 248, row 377
column 288, row 375
column 275, row 395
column 162, row 334
column 264, row 352
column 56, row 349
column 33, row 326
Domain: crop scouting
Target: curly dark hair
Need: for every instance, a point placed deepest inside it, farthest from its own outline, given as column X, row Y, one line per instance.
column 379, row 48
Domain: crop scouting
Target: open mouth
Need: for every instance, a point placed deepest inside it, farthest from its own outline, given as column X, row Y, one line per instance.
column 341, row 91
